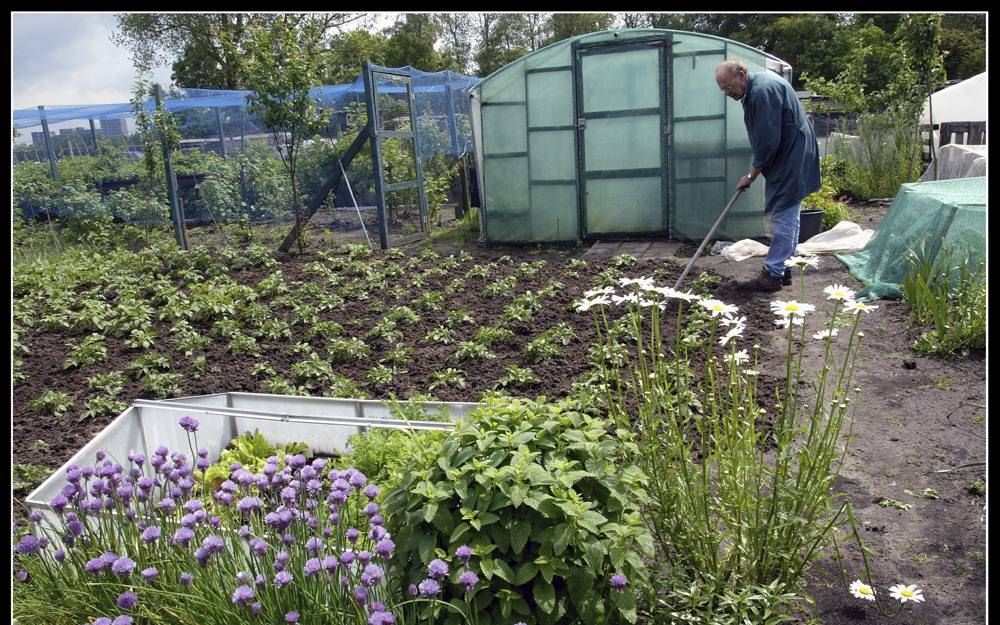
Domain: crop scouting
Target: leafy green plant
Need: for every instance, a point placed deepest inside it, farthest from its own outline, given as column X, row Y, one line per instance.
column 250, row 449
column 55, row 403
column 447, row 377
column 342, row 386
column 490, row 335
column 312, row 372
column 280, row 386
column 470, row 350
column 276, row 329
column 261, row 369
column 324, row 329
column 163, row 385
column 380, row 375
column 501, row 288
column 103, row 406
column 403, row 314
column 441, row 335
column 824, row 198
column 243, row 344
column 533, row 488
column 398, row 355
column 949, row 294
column 92, row 349
column 111, row 383
column 147, row 364
column 457, row 317
column 27, row 477
column 517, row 377
column 140, row 339
column 347, row 350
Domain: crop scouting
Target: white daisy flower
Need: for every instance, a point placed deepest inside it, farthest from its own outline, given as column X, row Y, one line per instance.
column 738, row 358
column 642, row 282
column 733, row 333
column 631, row 298
column 587, row 304
column 751, row 372
column 862, row 590
column 906, row 593
column 791, row 307
column 687, row 296
column 717, row 307
column 783, row 322
column 823, row 334
column 730, row 321
column 666, row 291
column 608, row 290
column 838, row 291
column 802, row 261
column 859, row 307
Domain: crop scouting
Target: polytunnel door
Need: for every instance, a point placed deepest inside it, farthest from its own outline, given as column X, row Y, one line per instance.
column 621, row 115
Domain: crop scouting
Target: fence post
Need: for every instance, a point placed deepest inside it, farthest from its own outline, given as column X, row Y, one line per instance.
column 93, row 134
column 222, row 133
column 48, row 144
column 168, row 166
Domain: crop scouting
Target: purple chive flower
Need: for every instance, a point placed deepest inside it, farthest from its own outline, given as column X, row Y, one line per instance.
column 618, row 582
column 314, row 486
column 183, row 536
column 122, row 620
column 243, row 595
column 244, row 531
column 347, row 557
column 150, row 534
column 352, row 534
column 149, row 574
column 371, row 491
column 123, row 566
column 145, row 482
column 166, row 505
column 372, row 575
column 224, row 498
column 102, row 621
column 429, row 588
column 187, row 578
column 59, row 555
column 329, row 563
column 126, row 600
column 314, row 544
column 376, row 520
column 101, row 454
column 364, row 557
column 202, row 452
column 73, row 473
column 255, row 609
column 249, row 504
column 371, row 509
column 94, row 566
column 189, row 424
column 59, row 503
column 229, row 486
column 213, row 544
column 385, row 548
column 361, row 594
column 260, row 580
column 312, row 567
column 382, row 618
column 437, row 569
column 259, row 546
column 307, row 473
column 282, row 579
column 22, row 576
column 288, row 539
column 377, row 533
column 292, row 617
column 334, row 518
column 192, row 505
column 28, row 545
column 337, row 496
column 412, row 589
column 463, row 554
column 87, row 472
column 469, row 580
column 35, row 516
column 75, row 527
column 358, row 479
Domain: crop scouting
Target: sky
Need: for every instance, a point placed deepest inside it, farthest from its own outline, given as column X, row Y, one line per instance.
column 68, row 58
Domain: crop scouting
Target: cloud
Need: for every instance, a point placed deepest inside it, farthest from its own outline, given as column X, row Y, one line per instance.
column 68, row 58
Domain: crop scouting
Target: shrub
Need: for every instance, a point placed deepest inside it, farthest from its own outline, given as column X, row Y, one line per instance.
column 534, row 489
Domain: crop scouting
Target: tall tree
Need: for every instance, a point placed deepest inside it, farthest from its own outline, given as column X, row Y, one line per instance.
column 963, row 41
column 284, row 62
column 456, row 32
column 212, row 46
column 501, row 39
column 566, row 25
column 411, row 42
column 348, row 50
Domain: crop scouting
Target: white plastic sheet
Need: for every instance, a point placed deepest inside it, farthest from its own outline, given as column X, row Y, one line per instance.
column 846, row 236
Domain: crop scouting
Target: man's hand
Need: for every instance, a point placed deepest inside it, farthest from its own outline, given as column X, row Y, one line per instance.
column 744, row 183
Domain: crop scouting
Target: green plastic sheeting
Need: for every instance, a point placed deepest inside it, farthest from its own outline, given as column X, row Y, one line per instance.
column 616, row 134
column 947, row 214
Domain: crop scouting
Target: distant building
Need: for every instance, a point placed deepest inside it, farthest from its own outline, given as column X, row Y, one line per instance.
column 72, row 131
column 38, row 138
column 114, row 127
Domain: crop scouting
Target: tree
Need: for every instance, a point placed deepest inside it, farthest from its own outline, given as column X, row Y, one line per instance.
column 411, row 42
column 501, row 39
column 347, row 51
column 284, row 62
column 211, row 46
column 566, row 25
column 793, row 38
column 456, row 31
column 963, row 41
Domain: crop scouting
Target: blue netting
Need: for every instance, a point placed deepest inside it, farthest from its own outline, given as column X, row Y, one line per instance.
column 446, row 93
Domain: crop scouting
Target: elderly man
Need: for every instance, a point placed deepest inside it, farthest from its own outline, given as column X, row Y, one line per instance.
column 784, row 151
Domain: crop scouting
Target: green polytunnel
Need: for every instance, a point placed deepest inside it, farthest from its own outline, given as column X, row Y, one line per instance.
column 620, row 133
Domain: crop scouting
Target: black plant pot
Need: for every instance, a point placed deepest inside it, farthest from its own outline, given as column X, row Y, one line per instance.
column 810, row 224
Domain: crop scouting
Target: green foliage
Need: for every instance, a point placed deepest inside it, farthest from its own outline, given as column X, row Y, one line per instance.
column 27, row 477
column 949, row 294
column 55, row 403
column 471, row 350
column 534, row 489
column 825, row 198
column 252, row 451
column 385, row 455
column 92, row 349
column 517, row 377
column 347, row 350
column 447, row 377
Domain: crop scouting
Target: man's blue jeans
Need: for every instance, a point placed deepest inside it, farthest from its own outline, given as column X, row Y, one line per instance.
column 784, row 239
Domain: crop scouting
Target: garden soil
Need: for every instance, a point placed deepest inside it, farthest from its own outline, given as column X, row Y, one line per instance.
column 916, row 416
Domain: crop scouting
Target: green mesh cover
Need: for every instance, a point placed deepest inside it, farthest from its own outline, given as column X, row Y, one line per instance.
column 947, row 214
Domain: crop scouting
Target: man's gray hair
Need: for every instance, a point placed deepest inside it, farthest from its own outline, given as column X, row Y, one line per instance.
column 731, row 67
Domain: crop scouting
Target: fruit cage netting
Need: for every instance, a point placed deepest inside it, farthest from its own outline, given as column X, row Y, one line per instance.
column 100, row 172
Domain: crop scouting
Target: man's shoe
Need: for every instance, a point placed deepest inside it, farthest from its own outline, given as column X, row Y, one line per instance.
column 786, row 279
column 763, row 283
